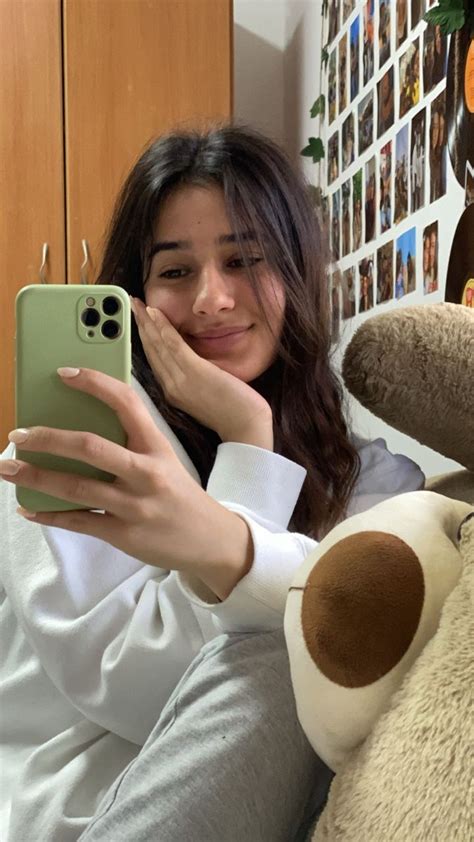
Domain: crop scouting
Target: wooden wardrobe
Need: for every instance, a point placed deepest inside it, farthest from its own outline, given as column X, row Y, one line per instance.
column 84, row 86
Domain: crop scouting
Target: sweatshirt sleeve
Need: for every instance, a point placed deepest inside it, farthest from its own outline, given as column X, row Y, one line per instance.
column 258, row 600
column 257, row 479
column 114, row 635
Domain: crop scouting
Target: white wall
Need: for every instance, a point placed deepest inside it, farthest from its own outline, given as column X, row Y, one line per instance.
column 277, row 46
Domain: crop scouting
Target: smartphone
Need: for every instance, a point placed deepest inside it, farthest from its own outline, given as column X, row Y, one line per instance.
column 68, row 325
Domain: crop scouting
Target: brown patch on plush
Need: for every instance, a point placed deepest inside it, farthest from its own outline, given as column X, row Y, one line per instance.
column 361, row 607
column 413, row 368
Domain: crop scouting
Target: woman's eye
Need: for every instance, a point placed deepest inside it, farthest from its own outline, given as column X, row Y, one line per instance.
column 171, row 274
column 244, row 261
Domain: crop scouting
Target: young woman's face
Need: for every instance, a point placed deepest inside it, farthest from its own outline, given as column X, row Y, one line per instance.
column 434, row 129
column 198, row 279
column 426, row 253
column 432, row 250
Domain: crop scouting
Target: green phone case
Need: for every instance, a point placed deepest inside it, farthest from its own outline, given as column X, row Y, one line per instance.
column 53, row 330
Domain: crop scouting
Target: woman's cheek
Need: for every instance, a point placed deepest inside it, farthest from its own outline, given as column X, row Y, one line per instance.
column 167, row 303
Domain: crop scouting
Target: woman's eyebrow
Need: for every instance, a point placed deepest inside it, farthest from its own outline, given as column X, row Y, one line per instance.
column 170, row 245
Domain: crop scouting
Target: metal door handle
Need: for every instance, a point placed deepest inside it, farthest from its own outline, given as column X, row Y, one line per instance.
column 44, row 260
column 85, row 264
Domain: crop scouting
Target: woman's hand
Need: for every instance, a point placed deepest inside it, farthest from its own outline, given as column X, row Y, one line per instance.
column 213, row 397
column 154, row 510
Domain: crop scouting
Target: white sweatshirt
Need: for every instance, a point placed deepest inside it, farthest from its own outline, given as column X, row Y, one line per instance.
column 94, row 641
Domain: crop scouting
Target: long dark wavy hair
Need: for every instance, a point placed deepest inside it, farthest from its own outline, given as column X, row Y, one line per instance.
column 265, row 194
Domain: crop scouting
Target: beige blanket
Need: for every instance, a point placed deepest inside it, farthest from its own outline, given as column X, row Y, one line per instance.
column 412, row 779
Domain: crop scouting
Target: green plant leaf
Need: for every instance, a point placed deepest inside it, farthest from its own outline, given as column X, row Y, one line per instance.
column 324, row 57
column 450, row 15
column 314, row 150
column 319, row 106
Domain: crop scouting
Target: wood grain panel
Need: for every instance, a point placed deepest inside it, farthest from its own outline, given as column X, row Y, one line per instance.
column 133, row 69
column 31, row 166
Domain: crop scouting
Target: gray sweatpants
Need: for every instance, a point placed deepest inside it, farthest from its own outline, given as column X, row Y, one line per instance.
column 227, row 760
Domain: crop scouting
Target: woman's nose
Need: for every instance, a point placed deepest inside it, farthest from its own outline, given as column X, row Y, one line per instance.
column 214, row 292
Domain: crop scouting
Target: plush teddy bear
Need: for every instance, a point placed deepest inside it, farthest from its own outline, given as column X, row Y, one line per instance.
column 379, row 620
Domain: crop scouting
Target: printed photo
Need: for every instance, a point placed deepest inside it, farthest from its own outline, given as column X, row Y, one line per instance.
column 366, row 122
column 405, row 264
column 410, row 77
column 402, row 21
column 348, row 150
column 333, row 157
column 332, row 86
column 386, row 103
column 336, row 305
column 336, row 225
column 357, row 210
column 385, row 204
column 384, row 31
column 434, row 57
column 368, row 44
column 370, row 200
column 354, row 57
column 348, row 6
column 366, row 282
column 342, row 74
column 469, row 184
column 417, row 161
column 346, row 217
column 385, row 273
column 334, row 13
column 417, row 12
column 401, row 174
column 348, row 294
column 438, row 148
column 430, row 258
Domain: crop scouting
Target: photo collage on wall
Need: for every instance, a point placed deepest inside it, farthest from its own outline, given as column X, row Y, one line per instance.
column 386, row 150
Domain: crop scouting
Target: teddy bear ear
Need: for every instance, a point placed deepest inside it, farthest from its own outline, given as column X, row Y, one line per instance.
column 427, row 392
column 360, row 610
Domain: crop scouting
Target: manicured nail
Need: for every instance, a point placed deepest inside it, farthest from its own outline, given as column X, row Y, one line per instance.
column 18, row 436
column 25, row 513
column 9, row 468
column 133, row 305
column 68, row 372
column 151, row 313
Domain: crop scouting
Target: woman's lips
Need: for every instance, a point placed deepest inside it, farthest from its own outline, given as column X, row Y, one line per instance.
column 218, row 343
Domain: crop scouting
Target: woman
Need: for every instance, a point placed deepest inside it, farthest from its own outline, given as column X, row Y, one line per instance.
column 147, row 692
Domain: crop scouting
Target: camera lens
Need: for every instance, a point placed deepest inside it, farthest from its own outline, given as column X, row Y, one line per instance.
column 110, row 305
column 110, row 329
column 90, row 317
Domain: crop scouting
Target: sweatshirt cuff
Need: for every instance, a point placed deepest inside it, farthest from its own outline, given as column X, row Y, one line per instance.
column 257, row 603
column 262, row 481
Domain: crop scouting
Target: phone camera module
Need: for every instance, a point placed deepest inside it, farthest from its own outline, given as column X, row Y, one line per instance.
column 110, row 329
column 110, row 305
column 90, row 317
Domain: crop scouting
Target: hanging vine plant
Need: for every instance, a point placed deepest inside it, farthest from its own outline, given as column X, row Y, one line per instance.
column 451, row 15
column 315, row 148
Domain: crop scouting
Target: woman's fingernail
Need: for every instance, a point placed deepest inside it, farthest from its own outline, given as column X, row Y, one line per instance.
column 68, row 372
column 9, row 468
column 18, row 436
column 151, row 313
column 25, row 513
column 132, row 305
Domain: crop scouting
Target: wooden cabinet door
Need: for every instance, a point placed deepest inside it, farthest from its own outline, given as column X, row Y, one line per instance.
column 132, row 70
column 31, row 167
